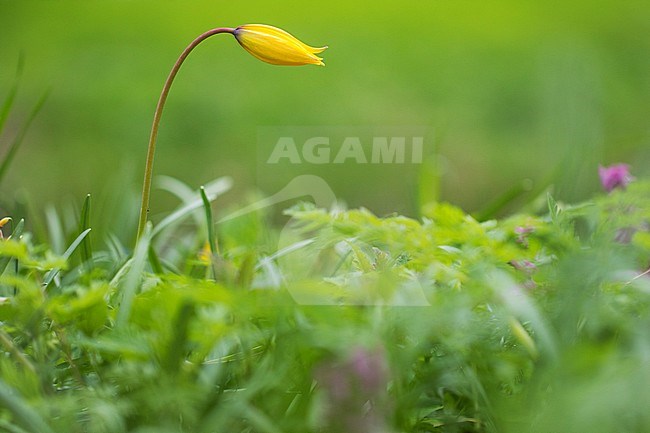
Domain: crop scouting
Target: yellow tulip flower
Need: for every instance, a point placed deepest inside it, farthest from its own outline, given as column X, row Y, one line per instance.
column 267, row 43
column 273, row 45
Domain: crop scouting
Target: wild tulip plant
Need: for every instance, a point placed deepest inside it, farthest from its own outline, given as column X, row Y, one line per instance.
column 267, row 43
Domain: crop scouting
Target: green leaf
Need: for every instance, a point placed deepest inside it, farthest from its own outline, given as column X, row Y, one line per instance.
column 18, row 231
column 9, row 100
column 501, row 202
column 246, row 271
column 133, row 277
column 213, row 190
column 15, row 144
column 86, row 245
column 212, row 242
column 22, row 410
column 66, row 255
column 553, row 208
column 15, row 235
column 154, row 260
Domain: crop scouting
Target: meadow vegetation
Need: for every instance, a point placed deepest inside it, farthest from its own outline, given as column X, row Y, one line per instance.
column 499, row 289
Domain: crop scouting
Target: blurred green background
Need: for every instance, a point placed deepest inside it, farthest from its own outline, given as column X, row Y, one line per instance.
column 512, row 90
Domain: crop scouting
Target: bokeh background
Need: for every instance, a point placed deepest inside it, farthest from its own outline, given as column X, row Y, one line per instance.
column 513, row 90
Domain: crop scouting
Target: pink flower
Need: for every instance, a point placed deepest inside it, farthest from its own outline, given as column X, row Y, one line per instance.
column 356, row 391
column 522, row 235
column 615, row 176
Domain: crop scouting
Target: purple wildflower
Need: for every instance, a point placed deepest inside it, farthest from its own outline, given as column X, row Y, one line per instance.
column 615, row 176
column 522, row 235
column 524, row 265
column 355, row 390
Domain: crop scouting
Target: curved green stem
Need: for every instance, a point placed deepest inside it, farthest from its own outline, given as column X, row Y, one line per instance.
column 148, row 171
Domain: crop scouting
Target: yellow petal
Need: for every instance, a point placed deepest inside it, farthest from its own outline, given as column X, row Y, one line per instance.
column 273, row 45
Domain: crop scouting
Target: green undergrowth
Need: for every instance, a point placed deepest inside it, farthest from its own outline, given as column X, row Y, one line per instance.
column 339, row 321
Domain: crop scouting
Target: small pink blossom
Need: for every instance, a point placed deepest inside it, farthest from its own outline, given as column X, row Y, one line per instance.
column 355, row 389
column 615, row 176
column 523, row 230
column 522, row 235
column 524, row 265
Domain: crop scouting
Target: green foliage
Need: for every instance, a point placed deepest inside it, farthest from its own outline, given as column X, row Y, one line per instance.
column 350, row 323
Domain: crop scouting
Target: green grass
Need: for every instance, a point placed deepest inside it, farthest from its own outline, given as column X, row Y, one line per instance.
column 443, row 324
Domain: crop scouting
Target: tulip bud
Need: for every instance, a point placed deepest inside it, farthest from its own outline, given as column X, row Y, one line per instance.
column 275, row 46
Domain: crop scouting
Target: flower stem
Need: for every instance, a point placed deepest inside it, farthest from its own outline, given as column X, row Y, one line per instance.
column 148, row 171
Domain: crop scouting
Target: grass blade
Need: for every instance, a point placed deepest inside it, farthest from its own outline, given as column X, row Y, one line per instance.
column 520, row 304
column 6, row 341
column 15, row 144
column 86, row 246
column 10, row 427
column 175, row 187
column 213, row 190
column 9, row 101
column 212, row 242
column 15, row 234
column 553, row 207
column 155, row 261
column 55, row 232
column 246, row 271
column 66, row 255
column 133, row 277
column 18, row 231
column 515, row 192
column 116, row 250
column 284, row 251
column 24, row 414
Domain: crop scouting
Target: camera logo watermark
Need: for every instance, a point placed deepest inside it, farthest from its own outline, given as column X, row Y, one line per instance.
column 383, row 163
column 362, row 166
column 322, row 150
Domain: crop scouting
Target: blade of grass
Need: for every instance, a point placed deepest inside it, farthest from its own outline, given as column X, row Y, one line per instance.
column 168, row 266
column 213, row 190
column 429, row 181
column 520, row 304
column 18, row 231
column 86, row 247
column 212, row 244
column 15, row 234
column 497, row 205
column 304, row 185
column 155, row 261
column 246, row 271
column 261, row 421
column 54, row 229
column 133, row 276
column 24, row 414
column 6, row 341
column 214, row 248
column 284, row 251
column 9, row 101
column 10, row 427
column 178, row 189
column 15, row 144
column 174, row 187
column 553, row 208
column 116, row 249
column 66, row 255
